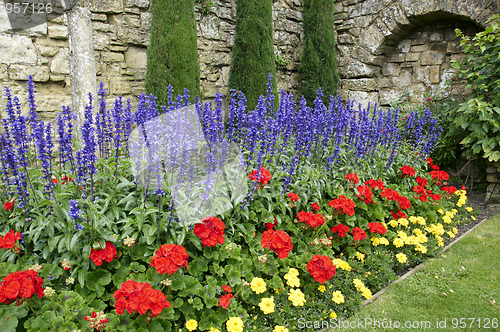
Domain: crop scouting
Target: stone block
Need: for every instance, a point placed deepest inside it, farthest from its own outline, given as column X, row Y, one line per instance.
column 136, row 57
column 453, row 47
column 390, row 69
column 411, row 57
column 21, row 73
column 117, row 48
column 363, row 98
column 146, row 21
column 403, row 79
column 372, row 38
column 48, row 51
column 428, row 58
column 387, row 97
column 112, row 57
column 404, row 46
column 60, row 63
column 421, row 74
column 100, row 41
column 99, row 17
column 106, row 6
column 4, row 74
column 56, row 78
column 119, row 86
column 418, row 48
column 58, row 31
column 345, row 38
column 436, row 36
column 492, row 178
column 143, row 4
column 17, row 49
column 434, row 74
column 398, row 57
column 491, row 170
column 360, row 84
column 354, row 69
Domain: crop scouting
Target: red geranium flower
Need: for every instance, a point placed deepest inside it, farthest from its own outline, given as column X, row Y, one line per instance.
column 377, row 227
column 343, row 205
column 375, row 184
column 277, row 241
column 66, row 178
column 139, row 297
column 435, row 197
column 398, row 215
column 20, row 285
column 169, row 258
column 293, row 197
column 420, row 191
column 439, row 175
column 227, row 289
column 450, row 189
column 263, row 178
column 352, row 177
column 365, row 194
column 321, row 268
column 9, row 205
column 404, row 203
column 107, row 254
column 358, row 234
column 8, row 241
column 435, row 167
column 225, row 300
column 421, row 181
column 310, row 218
column 407, row 170
column 210, row 231
column 389, row 194
column 315, row 206
column 341, row 230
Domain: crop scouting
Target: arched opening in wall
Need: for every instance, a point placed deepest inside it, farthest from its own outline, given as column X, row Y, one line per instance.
column 419, row 59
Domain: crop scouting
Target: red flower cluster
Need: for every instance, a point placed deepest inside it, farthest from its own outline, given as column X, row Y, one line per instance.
column 375, row 184
column 419, row 190
column 365, row 194
column 435, row 197
column 270, row 225
column 97, row 320
column 139, row 297
column 310, row 218
column 169, row 258
column 321, row 268
column 107, row 254
column 407, row 170
column 393, row 195
column 377, row 227
column 341, row 230
column 352, row 177
column 20, row 285
column 439, row 175
column 277, row 241
column 421, row 181
column 431, row 163
column 210, row 231
column 264, row 177
column 9, row 205
column 8, row 241
column 398, row 215
column 293, row 197
column 450, row 189
column 343, row 203
column 315, row 206
column 358, row 234
column 225, row 299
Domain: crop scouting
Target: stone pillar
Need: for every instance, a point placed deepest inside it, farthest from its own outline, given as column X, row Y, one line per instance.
column 81, row 59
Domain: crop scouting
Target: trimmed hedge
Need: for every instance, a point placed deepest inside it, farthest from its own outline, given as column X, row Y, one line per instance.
column 173, row 50
column 318, row 66
column 253, row 52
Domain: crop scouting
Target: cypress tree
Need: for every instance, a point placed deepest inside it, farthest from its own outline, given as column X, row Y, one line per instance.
column 318, row 65
column 253, row 52
column 173, row 50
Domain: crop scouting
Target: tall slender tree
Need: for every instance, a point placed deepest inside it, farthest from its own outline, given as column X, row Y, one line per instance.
column 253, row 52
column 318, row 65
column 173, row 49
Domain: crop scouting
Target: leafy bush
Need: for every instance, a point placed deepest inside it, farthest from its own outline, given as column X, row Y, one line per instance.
column 480, row 115
column 318, row 67
column 173, row 50
column 311, row 233
column 253, row 50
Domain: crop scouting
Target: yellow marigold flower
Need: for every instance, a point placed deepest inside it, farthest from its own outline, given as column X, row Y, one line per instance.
column 322, row 288
column 338, row 297
column 191, row 325
column 469, row 209
column 333, row 315
column 358, row 283
column 279, row 328
column 447, row 219
column 402, row 234
column 267, row 305
column 297, row 297
column 393, row 223
column 422, row 238
column 49, row 291
column 339, row 263
column 234, row 324
column 401, row 257
column 421, row 221
column 293, row 272
column 455, row 230
column 441, row 211
column 398, row 242
column 258, row 285
column 384, row 241
column 375, row 241
column 360, row 256
column 366, row 292
column 213, row 329
column 277, row 290
column 421, row 248
column 403, row 221
column 450, row 234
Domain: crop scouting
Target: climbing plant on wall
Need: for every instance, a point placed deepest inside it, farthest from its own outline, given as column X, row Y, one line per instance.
column 318, row 66
column 253, row 53
column 173, row 51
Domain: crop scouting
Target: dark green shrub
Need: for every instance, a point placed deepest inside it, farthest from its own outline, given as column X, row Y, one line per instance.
column 173, row 50
column 318, row 65
column 253, row 53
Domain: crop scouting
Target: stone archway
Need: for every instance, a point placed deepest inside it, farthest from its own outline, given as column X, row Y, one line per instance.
column 382, row 44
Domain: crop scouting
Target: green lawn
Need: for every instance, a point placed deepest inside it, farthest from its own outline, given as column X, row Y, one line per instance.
column 462, row 283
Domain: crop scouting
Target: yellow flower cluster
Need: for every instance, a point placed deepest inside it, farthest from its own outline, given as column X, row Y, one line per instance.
column 403, row 222
column 360, row 256
column 258, row 285
column 401, row 257
column 267, row 305
column 449, row 215
column 213, row 329
column 417, row 220
column 191, row 325
column 322, row 288
column 463, row 197
column 360, row 286
column 291, row 277
column 297, row 297
column 234, row 324
column 339, row 263
column 437, row 230
column 379, row 241
column 333, row 315
column 398, row 242
column 469, row 209
column 279, row 328
column 421, row 248
column 450, row 234
column 338, row 297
